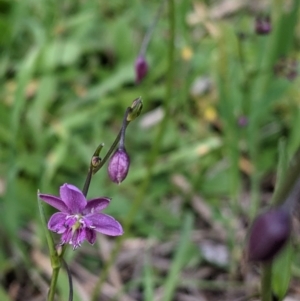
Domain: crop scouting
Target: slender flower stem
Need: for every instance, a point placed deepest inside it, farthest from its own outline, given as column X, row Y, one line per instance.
column 69, row 279
column 266, row 282
column 87, row 182
column 53, row 283
column 55, row 260
column 123, row 129
column 150, row 31
column 153, row 154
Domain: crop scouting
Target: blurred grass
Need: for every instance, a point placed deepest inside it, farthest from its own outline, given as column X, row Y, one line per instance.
column 68, row 76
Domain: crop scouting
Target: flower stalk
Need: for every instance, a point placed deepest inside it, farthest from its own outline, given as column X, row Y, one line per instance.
column 130, row 114
column 97, row 163
column 79, row 219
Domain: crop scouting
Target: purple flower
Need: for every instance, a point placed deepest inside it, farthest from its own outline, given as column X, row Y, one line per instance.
column 141, row 69
column 118, row 166
column 78, row 218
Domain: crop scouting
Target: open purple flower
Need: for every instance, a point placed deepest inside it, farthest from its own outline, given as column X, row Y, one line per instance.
column 78, row 218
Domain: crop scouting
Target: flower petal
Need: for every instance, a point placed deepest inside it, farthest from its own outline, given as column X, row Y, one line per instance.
column 54, row 201
column 105, row 224
column 77, row 238
column 96, row 205
column 73, row 198
column 57, row 222
column 66, row 237
column 90, row 236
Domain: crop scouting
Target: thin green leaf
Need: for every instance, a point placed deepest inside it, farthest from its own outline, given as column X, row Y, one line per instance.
column 179, row 260
column 49, row 238
column 281, row 272
column 148, row 280
column 281, row 170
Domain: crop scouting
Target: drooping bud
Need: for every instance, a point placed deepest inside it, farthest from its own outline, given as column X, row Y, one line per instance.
column 118, row 166
column 263, row 25
column 269, row 232
column 141, row 69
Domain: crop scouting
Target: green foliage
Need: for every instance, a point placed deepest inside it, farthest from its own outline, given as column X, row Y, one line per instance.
column 68, row 76
column 281, row 272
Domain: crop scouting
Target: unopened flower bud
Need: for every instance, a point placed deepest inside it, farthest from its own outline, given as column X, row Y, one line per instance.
column 141, row 69
column 263, row 25
column 96, row 161
column 136, row 109
column 118, row 165
column 243, row 121
column 269, row 232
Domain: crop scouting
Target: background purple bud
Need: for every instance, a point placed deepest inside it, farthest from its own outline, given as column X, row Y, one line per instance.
column 141, row 69
column 263, row 25
column 118, row 166
column 269, row 232
column 242, row 121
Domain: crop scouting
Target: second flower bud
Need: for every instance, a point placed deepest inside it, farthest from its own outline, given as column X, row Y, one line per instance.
column 118, row 166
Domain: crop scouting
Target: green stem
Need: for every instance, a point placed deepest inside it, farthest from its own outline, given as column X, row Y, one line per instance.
column 153, row 154
column 266, row 282
column 150, row 31
column 123, row 129
column 69, row 279
column 54, row 257
column 53, row 283
column 87, row 182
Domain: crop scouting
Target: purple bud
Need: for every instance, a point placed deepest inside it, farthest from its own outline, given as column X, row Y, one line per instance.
column 118, row 166
column 269, row 232
column 242, row 121
column 263, row 25
column 141, row 69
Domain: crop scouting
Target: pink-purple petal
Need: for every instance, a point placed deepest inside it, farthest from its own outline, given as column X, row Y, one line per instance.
column 54, row 201
column 67, row 236
column 77, row 238
column 57, row 222
column 86, row 223
column 96, row 205
column 90, row 236
column 105, row 224
column 70, row 221
column 73, row 198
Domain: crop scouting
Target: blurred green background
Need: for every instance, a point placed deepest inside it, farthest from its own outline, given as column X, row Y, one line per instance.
column 67, row 70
